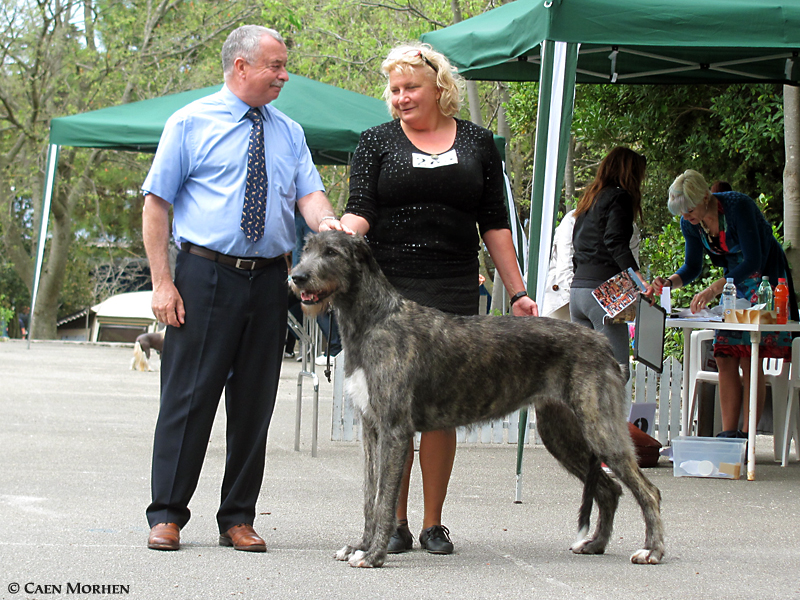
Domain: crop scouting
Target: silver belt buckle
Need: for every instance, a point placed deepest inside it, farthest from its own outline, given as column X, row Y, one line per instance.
column 245, row 264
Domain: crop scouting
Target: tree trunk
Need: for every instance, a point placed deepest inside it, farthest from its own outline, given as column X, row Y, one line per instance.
column 54, row 266
column 52, row 277
column 502, row 122
column 473, row 97
column 474, row 103
column 791, row 173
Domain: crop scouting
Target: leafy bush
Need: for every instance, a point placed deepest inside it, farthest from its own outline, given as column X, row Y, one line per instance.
column 6, row 314
column 663, row 256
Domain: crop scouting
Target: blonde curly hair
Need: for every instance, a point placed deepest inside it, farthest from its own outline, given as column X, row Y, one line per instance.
column 407, row 56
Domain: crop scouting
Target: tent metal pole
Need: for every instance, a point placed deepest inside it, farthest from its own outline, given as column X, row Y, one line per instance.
column 556, row 133
column 537, row 195
column 554, row 117
column 540, row 161
column 47, row 198
column 518, row 236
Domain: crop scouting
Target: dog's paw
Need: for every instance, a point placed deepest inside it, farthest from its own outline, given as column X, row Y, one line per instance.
column 588, row 546
column 357, row 559
column 647, row 556
column 365, row 561
column 345, row 553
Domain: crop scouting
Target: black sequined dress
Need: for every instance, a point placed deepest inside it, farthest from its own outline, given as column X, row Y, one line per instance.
column 425, row 210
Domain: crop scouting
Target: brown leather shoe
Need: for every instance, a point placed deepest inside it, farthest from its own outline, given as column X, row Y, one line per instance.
column 164, row 536
column 243, row 537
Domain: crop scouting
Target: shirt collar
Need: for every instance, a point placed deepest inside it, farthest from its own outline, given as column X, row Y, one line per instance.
column 236, row 106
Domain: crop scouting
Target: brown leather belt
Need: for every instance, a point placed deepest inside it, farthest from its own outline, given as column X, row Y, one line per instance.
column 245, row 264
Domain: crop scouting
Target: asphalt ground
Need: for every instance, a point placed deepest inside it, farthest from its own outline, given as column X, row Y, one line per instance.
column 76, row 428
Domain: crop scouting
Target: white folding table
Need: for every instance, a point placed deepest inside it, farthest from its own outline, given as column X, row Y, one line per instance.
column 755, row 330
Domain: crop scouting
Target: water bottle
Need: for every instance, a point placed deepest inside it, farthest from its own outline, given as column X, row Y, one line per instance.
column 765, row 294
column 728, row 296
column 782, row 301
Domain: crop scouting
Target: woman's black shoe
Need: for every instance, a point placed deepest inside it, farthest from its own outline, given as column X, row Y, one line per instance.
column 401, row 541
column 436, row 540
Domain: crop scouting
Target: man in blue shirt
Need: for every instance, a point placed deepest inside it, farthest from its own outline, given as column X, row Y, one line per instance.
column 226, row 309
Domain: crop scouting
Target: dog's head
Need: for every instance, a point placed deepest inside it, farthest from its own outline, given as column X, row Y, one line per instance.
column 329, row 267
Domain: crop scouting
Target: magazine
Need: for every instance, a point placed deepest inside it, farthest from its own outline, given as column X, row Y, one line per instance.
column 616, row 294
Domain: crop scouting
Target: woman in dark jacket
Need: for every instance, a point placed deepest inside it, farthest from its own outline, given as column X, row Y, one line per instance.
column 601, row 240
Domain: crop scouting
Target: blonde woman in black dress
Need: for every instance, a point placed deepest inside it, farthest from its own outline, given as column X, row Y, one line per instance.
column 422, row 187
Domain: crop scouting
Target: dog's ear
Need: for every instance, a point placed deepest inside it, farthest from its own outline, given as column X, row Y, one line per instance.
column 361, row 250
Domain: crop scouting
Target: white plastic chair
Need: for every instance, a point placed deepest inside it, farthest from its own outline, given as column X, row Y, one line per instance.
column 698, row 374
column 776, row 375
column 791, row 419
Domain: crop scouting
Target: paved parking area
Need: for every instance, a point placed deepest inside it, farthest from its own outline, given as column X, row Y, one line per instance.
column 76, row 428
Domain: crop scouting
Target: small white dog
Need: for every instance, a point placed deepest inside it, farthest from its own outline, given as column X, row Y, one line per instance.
column 141, row 350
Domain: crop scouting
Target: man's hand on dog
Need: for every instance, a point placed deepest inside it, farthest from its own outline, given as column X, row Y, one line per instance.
column 329, row 224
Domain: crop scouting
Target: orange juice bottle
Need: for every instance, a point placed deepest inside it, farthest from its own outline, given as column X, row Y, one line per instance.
column 782, row 301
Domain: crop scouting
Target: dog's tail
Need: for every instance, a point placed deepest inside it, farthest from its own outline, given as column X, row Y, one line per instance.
column 589, row 490
column 139, row 361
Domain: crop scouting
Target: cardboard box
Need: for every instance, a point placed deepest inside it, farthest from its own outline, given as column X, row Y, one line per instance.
column 751, row 315
column 721, row 458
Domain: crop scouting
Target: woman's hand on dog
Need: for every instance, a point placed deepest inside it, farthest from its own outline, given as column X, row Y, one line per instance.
column 525, row 307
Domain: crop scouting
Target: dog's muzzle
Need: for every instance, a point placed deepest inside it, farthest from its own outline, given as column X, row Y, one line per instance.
column 310, row 298
column 307, row 297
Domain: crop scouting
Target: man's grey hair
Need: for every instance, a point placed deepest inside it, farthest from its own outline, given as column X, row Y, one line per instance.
column 244, row 42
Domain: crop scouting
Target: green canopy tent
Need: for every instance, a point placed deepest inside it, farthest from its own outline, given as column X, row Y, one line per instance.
column 331, row 117
column 561, row 42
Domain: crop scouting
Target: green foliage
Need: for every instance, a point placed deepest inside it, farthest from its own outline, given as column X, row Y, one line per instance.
column 663, row 255
column 521, row 117
column 344, row 43
column 14, row 295
column 732, row 132
column 59, row 59
column 76, row 293
column 70, row 56
column 6, row 313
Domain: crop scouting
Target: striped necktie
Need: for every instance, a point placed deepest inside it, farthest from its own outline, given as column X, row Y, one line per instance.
column 255, row 194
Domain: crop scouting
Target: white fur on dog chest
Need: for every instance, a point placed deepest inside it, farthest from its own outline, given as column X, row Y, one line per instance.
column 355, row 388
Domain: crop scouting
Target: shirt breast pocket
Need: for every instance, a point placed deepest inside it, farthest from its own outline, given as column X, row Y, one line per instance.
column 284, row 173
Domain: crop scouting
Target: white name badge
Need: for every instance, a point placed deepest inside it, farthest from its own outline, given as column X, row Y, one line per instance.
column 431, row 161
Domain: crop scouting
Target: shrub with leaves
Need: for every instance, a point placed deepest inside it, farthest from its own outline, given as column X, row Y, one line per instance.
column 663, row 256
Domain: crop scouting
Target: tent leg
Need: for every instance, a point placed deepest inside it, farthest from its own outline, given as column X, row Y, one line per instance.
column 553, row 120
column 47, row 198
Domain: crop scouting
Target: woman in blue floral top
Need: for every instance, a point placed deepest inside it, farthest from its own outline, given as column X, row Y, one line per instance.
column 732, row 231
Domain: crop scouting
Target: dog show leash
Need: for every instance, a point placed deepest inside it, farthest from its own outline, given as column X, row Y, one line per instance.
column 327, row 371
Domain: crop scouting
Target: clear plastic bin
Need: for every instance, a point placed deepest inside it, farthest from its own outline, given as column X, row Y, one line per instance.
column 708, row 457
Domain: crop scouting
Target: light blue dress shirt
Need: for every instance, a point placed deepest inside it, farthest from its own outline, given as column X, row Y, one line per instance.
column 200, row 167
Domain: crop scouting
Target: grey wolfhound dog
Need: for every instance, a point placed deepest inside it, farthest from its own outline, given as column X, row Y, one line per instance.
column 410, row 368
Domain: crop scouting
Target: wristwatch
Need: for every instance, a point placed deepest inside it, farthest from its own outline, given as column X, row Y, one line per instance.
column 517, row 296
